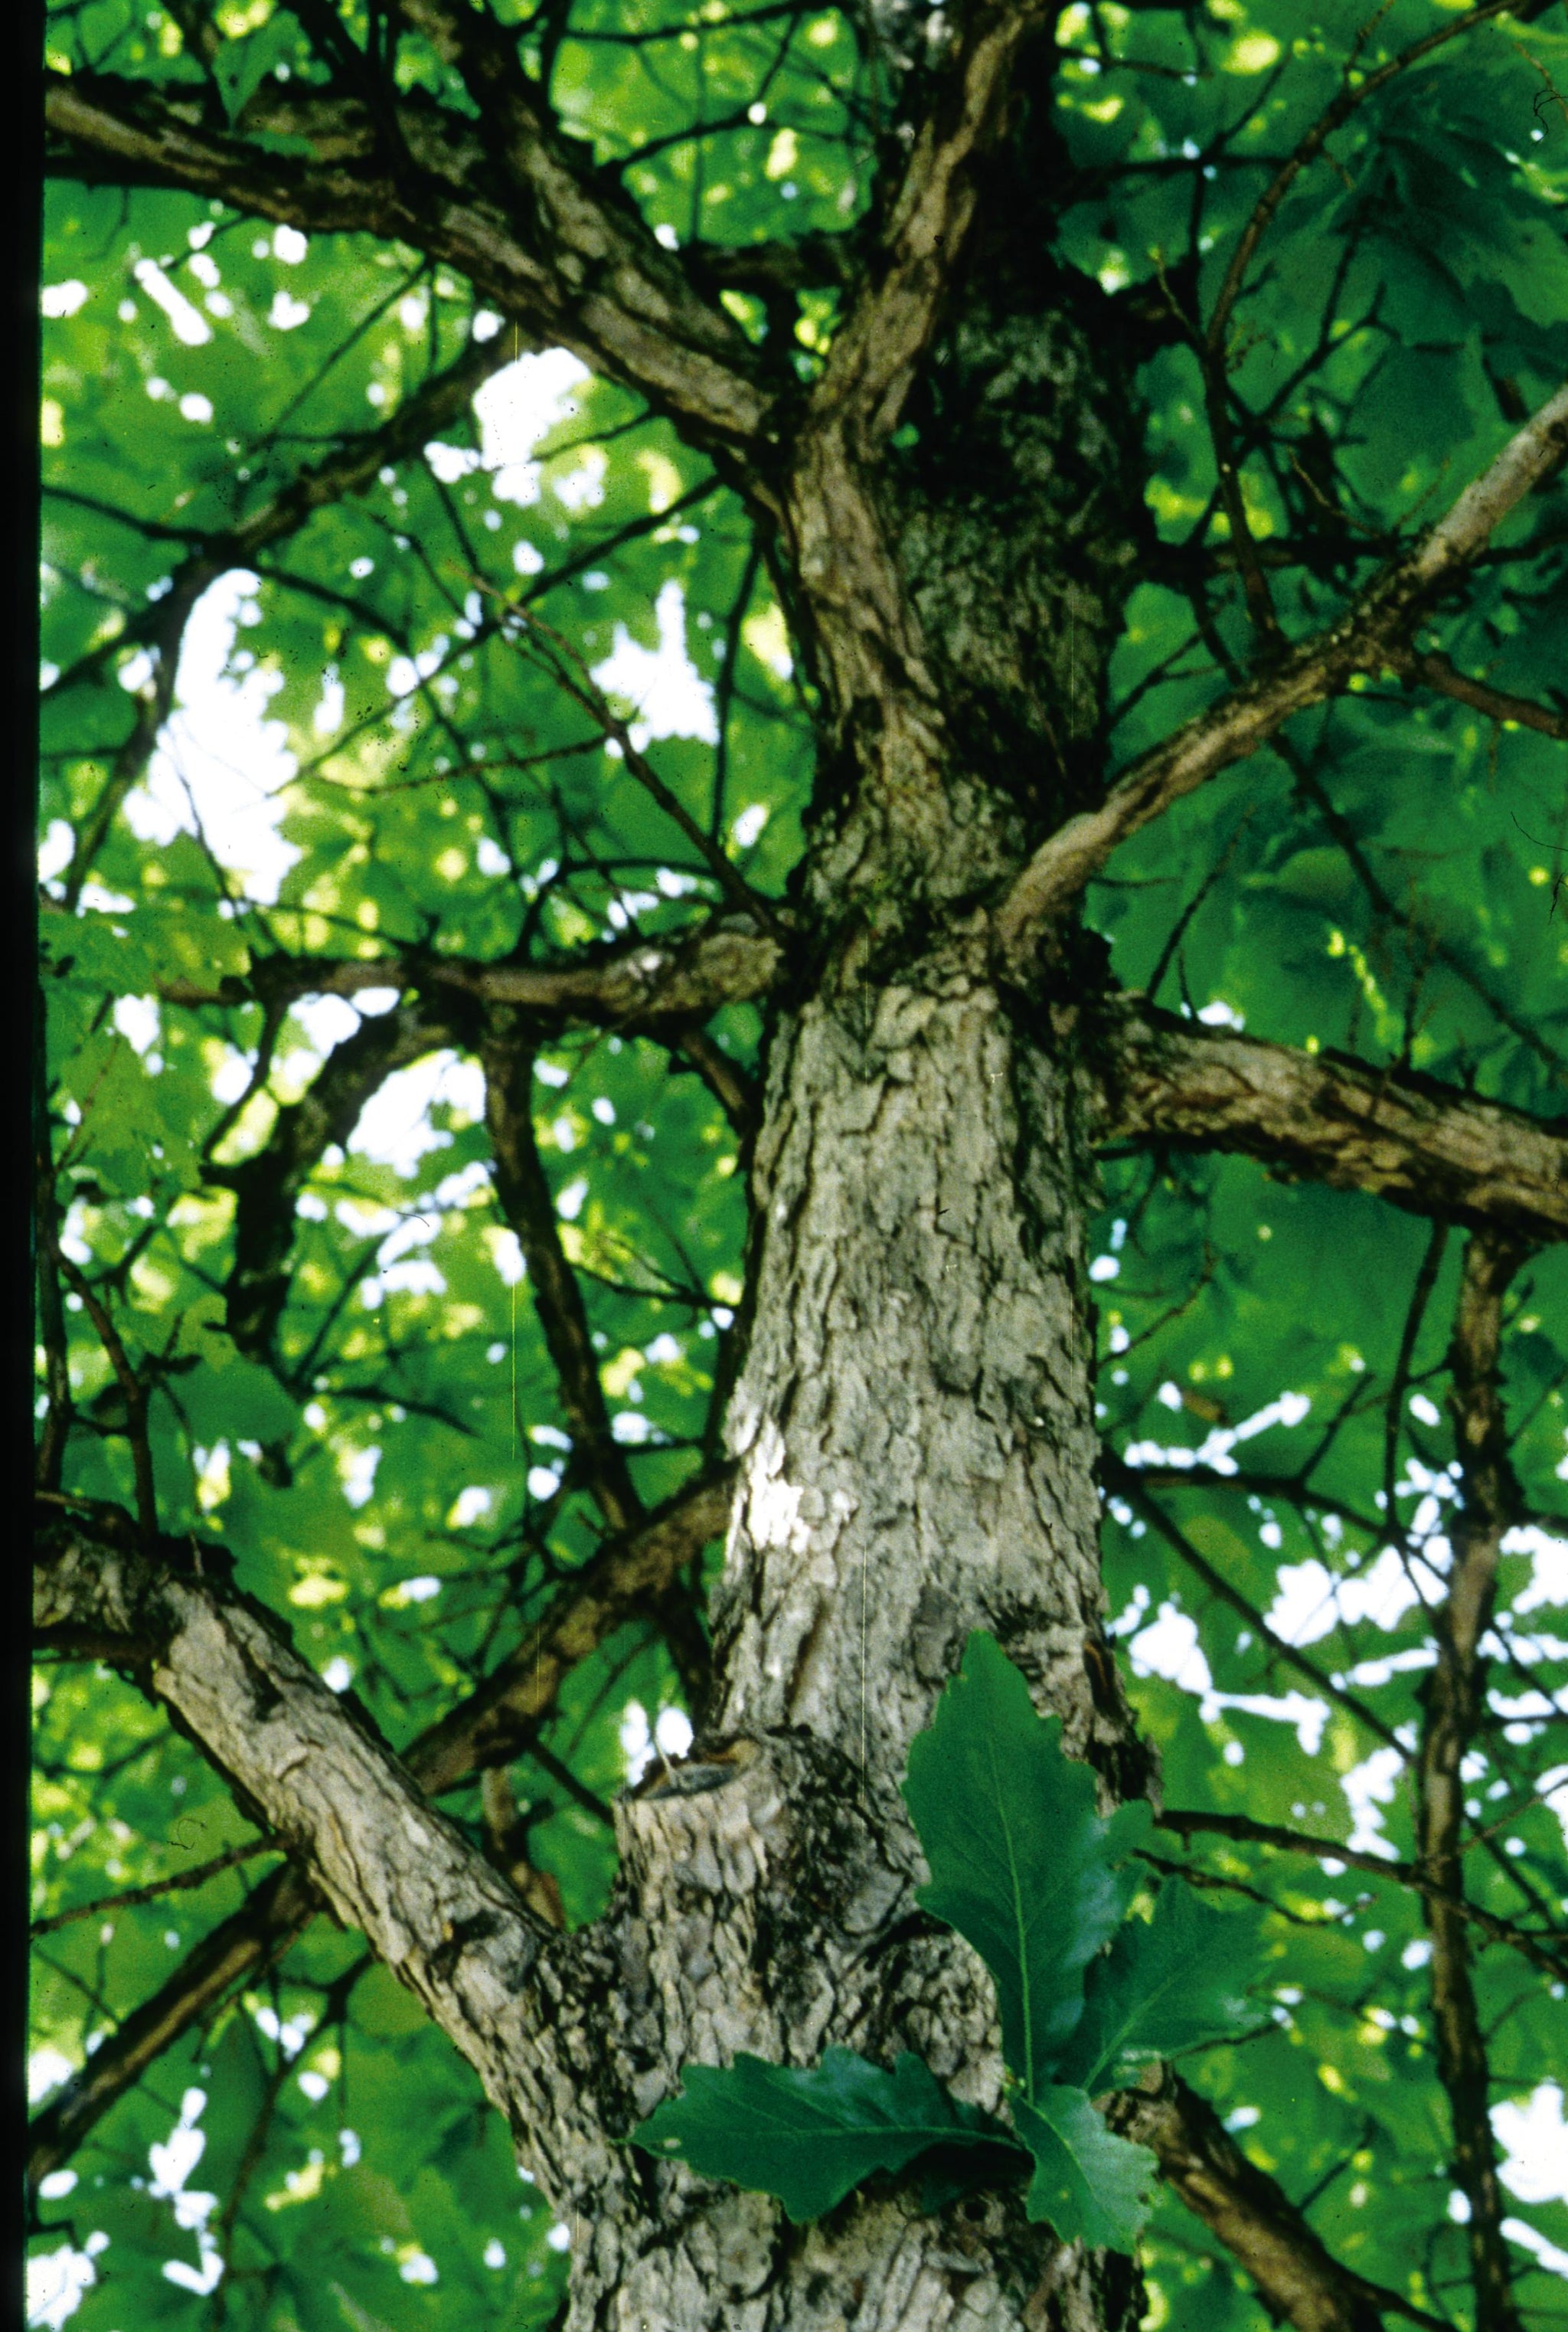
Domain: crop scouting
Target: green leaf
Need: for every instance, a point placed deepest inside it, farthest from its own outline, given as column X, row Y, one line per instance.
column 241, row 66
column 1092, row 2186
column 1166, row 1983
column 1020, row 1863
column 808, row 2137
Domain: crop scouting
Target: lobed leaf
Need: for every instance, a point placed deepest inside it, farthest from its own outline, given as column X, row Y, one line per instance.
column 1020, row 1863
column 811, row 2137
column 1091, row 2185
column 1166, row 1983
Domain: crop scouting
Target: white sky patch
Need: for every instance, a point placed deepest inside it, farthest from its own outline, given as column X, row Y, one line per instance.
column 1367, row 1786
column 1310, row 1599
column 516, row 407
column 188, row 323
column 172, row 2164
column 661, row 685
column 56, row 851
column 327, row 716
column 1536, row 2139
column 291, row 2035
column 1554, row 1788
column 417, row 1275
column 505, row 1252
column 63, row 299
column 138, row 1020
column 326, row 1020
column 57, row 2279
column 393, row 1128
column 357, row 1472
column 219, row 760
column 46, row 2069
column 414, row 1590
column 1549, row 1584
column 1169, row 1647
column 671, row 1729
column 412, row 1231
column 1553, row 2260
column 1289, row 1409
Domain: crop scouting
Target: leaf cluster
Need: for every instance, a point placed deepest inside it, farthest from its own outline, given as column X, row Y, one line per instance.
column 1040, row 1884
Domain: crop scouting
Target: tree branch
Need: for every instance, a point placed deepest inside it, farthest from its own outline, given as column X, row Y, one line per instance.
column 1123, row 1479
column 896, row 317
column 239, row 1948
column 1333, row 1119
column 176, row 1883
column 1374, row 633
column 1455, row 1707
column 498, row 1721
column 507, row 1054
column 635, row 983
column 321, row 1780
column 1548, row 1953
column 495, row 1721
column 1442, row 676
column 1324, row 1116
column 266, row 1185
column 508, row 201
column 1298, row 2280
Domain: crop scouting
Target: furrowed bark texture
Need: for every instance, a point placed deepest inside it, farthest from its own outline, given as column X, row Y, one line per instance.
column 915, row 1434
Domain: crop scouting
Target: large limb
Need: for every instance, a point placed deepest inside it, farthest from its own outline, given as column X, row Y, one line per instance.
column 1329, row 1118
column 1322, row 1116
column 1375, row 634
column 635, row 983
column 896, row 317
column 491, row 1726
column 1300, row 2282
column 319, row 1778
column 908, row 803
column 519, row 212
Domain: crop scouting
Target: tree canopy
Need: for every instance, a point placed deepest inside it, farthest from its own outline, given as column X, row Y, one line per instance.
column 433, row 751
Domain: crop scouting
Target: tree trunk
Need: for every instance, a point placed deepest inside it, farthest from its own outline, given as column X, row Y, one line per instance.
column 915, row 1433
column 914, row 1418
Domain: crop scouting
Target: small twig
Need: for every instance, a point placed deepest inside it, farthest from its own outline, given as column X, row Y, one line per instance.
column 1538, row 1949
column 197, row 1877
column 132, row 1386
column 579, row 685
